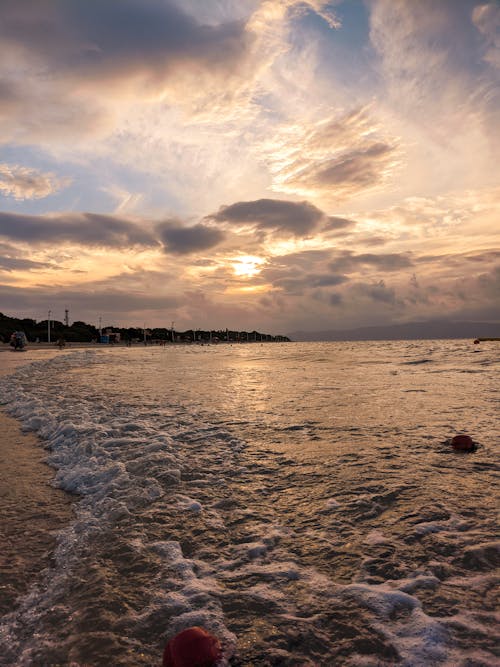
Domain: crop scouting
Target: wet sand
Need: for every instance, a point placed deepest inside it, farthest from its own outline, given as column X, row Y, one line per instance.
column 31, row 510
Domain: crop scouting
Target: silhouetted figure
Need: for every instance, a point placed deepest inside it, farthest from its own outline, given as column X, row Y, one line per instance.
column 18, row 340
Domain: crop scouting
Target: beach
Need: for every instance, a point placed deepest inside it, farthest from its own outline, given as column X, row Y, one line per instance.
column 31, row 509
column 300, row 501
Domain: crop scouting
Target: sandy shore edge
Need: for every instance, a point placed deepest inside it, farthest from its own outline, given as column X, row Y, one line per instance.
column 31, row 510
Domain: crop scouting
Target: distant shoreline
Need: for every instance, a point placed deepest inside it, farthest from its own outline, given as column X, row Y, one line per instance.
column 426, row 330
column 5, row 347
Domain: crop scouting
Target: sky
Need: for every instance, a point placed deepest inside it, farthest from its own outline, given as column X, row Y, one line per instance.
column 278, row 165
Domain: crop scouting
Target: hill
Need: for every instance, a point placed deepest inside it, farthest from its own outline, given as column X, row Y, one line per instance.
column 434, row 329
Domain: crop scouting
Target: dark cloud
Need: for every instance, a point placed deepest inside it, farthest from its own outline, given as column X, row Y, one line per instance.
column 296, row 218
column 377, row 292
column 356, row 169
column 338, row 223
column 181, row 240
column 349, row 262
column 17, row 264
column 326, row 280
column 9, row 250
column 290, row 286
column 373, row 240
column 117, row 38
column 10, row 94
column 488, row 256
column 301, row 271
column 335, row 299
column 62, row 62
column 83, row 228
column 490, row 283
column 425, row 259
column 95, row 301
column 387, row 261
column 294, row 265
column 339, row 157
column 460, row 259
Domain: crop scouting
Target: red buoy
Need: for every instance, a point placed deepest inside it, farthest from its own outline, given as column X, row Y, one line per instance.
column 463, row 443
column 194, row 647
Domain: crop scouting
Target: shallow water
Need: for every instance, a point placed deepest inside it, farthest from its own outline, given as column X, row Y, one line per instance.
column 299, row 500
column 31, row 512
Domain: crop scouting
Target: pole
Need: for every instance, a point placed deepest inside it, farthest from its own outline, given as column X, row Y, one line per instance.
column 48, row 326
column 172, row 332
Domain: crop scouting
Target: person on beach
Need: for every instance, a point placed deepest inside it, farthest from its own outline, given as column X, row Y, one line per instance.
column 61, row 343
column 18, row 340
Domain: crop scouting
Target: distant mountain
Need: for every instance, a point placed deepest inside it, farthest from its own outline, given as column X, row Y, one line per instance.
column 434, row 329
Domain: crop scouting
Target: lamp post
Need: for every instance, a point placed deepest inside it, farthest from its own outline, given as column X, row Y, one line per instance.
column 48, row 326
column 172, row 332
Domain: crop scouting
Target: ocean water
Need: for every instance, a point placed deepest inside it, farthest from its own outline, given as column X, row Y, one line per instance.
column 301, row 501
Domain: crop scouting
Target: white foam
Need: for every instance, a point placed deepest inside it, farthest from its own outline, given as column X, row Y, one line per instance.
column 454, row 523
column 419, row 639
column 113, row 463
column 125, row 457
column 332, row 505
column 188, row 504
column 375, row 537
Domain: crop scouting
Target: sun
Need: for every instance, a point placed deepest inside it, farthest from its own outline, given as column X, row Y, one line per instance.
column 247, row 266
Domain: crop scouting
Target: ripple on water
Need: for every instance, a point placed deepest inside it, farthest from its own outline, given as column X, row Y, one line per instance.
column 364, row 550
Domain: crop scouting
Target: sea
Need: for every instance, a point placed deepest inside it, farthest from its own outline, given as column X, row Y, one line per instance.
column 301, row 501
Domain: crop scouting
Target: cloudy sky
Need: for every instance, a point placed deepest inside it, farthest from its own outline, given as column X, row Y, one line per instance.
column 281, row 165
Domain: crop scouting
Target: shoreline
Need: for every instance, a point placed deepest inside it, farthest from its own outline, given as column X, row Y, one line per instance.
column 32, row 511
column 53, row 347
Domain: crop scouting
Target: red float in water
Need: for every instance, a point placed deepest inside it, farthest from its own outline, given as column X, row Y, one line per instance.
column 463, row 442
column 194, row 647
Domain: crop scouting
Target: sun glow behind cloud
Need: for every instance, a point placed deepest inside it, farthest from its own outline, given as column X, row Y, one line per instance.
column 247, row 266
column 303, row 163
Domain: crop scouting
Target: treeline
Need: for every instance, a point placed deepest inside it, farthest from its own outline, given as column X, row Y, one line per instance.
column 80, row 332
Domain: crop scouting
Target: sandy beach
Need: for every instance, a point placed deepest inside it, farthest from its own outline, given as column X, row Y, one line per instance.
column 31, row 510
column 53, row 347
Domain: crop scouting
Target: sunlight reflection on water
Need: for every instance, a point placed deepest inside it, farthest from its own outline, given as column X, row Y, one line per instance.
column 300, row 500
